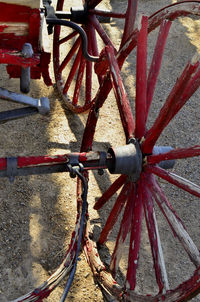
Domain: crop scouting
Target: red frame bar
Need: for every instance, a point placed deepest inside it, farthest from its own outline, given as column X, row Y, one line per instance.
column 33, row 161
column 14, row 57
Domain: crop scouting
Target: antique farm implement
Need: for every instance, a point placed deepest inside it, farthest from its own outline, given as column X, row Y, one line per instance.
column 137, row 162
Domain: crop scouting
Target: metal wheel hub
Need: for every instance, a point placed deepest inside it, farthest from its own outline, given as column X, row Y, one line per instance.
column 127, row 160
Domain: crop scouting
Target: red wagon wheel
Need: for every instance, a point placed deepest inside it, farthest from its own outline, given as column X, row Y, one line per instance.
column 136, row 199
column 74, row 75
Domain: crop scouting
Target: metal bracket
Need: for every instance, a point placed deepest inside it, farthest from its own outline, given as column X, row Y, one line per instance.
column 11, row 168
column 25, row 78
column 102, row 161
column 79, row 14
column 41, row 104
column 74, row 165
column 49, row 13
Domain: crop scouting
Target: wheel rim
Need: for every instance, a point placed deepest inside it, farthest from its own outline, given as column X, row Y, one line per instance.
column 72, row 71
column 137, row 200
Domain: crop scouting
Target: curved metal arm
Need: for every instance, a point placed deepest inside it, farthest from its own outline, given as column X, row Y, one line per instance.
column 54, row 21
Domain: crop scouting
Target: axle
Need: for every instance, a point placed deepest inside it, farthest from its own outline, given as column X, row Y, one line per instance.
column 127, row 160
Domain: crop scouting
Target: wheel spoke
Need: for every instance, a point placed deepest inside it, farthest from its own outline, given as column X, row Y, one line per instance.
column 185, row 86
column 170, row 12
column 67, row 38
column 156, row 62
column 129, row 20
column 69, row 55
column 175, row 222
column 135, row 237
column 88, row 79
column 116, row 210
column 141, row 81
column 174, row 154
column 122, row 234
column 93, row 38
column 120, row 94
column 119, row 182
column 79, row 81
column 176, row 180
column 95, row 51
column 72, row 72
column 154, row 238
column 95, row 23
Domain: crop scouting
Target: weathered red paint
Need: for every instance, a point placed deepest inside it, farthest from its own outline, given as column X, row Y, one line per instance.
column 156, row 62
column 174, row 154
column 148, row 205
column 141, row 81
column 2, row 27
column 135, row 237
column 119, row 182
column 120, row 94
column 22, row 14
column 177, row 98
column 31, row 161
column 116, row 210
column 102, row 67
column 130, row 16
column 11, row 43
column 105, row 38
column 170, row 12
column 122, row 234
column 89, row 66
column 171, row 178
column 15, row 57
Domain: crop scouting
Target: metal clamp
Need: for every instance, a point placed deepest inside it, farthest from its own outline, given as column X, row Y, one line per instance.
column 102, row 162
column 74, row 165
column 11, row 168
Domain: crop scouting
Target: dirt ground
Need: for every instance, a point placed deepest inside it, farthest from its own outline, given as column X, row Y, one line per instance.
column 37, row 213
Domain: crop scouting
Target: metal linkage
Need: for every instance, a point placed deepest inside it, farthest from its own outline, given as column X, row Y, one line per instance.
column 14, row 114
column 37, row 105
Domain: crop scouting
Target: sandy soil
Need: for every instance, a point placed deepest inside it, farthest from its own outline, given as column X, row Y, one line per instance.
column 37, row 213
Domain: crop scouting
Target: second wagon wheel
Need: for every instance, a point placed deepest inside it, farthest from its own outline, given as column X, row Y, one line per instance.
column 74, row 75
column 147, row 228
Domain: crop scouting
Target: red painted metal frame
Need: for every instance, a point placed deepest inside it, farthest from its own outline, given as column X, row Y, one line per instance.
column 34, row 161
column 14, row 57
column 11, row 43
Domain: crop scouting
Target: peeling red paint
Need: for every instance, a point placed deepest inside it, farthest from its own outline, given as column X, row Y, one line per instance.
column 2, row 27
